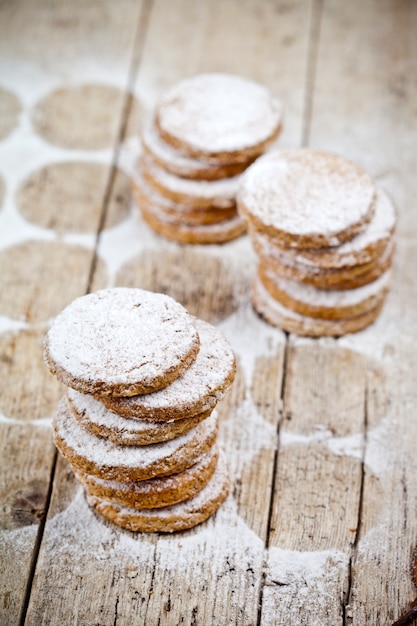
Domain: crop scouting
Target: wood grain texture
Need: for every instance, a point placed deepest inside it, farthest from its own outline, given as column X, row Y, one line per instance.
column 320, row 526
column 43, row 45
column 319, row 460
column 364, row 90
column 24, row 484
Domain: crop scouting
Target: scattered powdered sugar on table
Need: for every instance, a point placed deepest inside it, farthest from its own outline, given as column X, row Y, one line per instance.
column 250, row 337
column 380, row 456
column 219, row 112
column 244, row 442
column 8, row 324
column 291, row 567
column 301, row 582
column 79, row 536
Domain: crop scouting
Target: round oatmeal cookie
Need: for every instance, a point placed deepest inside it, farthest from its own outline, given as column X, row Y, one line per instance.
column 121, row 342
column 365, row 248
column 197, row 194
column 199, row 389
column 94, row 417
column 307, row 198
column 220, row 232
column 155, row 492
column 219, row 118
column 153, row 202
column 340, row 278
column 282, row 317
column 180, row 516
column 322, row 303
column 169, row 159
column 103, row 458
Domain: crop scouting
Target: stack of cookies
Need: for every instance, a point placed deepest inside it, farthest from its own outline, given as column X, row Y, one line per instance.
column 138, row 424
column 204, row 133
column 325, row 238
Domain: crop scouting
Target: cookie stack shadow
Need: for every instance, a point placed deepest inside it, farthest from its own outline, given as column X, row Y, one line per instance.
column 138, row 422
column 324, row 235
column 203, row 134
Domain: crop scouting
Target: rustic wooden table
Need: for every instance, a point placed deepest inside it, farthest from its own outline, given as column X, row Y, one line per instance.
column 320, row 528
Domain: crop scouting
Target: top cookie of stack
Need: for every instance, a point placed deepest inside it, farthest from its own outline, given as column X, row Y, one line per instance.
column 204, row 133
column 138, row 423
column 324, row 235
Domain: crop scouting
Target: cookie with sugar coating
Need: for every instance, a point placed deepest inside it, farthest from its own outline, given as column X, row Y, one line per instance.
column 121, row 342
column 339, row 278
column 100, row 421
column 105, row 459
column 306, row 198
column 154, row 493
column 220, row 232
column 199, row 389
column 219, row 118
column 282, row 317
column 151, row 201
column 325, row 304
column 366, row 248
column 198, row 194
column 181, row 516
column 169, row 159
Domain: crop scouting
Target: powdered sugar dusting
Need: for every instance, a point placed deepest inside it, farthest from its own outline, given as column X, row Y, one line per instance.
column 362, row 248
column 219, row 193
column 307, row 192
column 331, row 298
column 219, row 112
column 200, row 387
column 119, row 336
column 281, row 316
column 173, row 160
column 210, row 492
column 297, row 581
column 103, row 454
column 157, row 484
column 93, row 415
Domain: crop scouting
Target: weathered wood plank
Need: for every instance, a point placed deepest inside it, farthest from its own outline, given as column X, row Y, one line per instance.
column 47, row 247
column 364, row 107
column 24, row 484
column 318, row 483
column 212, row 574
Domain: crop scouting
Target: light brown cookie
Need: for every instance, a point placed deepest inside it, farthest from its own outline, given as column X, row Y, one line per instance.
column 169, row 159
column 278, row 315
column 341, row 278
column 198, row 194
column 180, row 516
column 364, row 249
column 99, row 421
column 223, row 231
column 307, row 198
column 121, row 342
column 199, row 389
column 325, row 304
column 174, row 212
column 103, row 458
column 219, row 118
column 155, row 492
